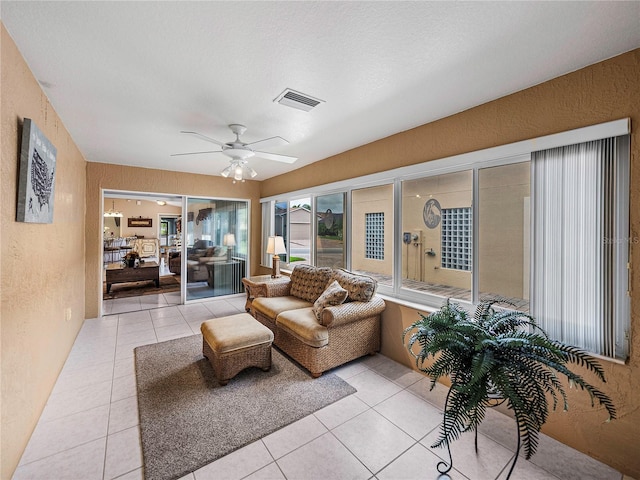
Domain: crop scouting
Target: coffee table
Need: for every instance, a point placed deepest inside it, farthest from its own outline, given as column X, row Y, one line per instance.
column 120, row 274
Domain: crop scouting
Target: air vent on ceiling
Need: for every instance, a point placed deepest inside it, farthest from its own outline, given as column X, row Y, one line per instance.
column 298, row 100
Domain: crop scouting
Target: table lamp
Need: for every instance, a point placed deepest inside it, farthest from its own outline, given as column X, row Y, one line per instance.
column 276, row 247
column 229, row 240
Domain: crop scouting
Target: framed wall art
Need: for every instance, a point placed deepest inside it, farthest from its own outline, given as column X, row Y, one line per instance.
column 139, row 222
column 432, row 213
column 37, row 176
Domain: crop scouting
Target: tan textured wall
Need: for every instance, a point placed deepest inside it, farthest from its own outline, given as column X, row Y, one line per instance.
column 599, row 93
column 102, row 176
column 42, row 265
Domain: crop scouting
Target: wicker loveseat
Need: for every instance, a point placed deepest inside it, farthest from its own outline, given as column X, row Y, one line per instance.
column 322, row 317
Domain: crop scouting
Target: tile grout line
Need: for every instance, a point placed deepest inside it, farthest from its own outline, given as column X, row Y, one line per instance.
column 106, row 446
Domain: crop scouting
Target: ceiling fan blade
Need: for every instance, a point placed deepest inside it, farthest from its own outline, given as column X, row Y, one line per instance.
column 194, row 153
column 268, row 143
column 276, row 156
column 205, row 138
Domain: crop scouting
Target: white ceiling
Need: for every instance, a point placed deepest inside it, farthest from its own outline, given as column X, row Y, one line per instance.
column 127, row 77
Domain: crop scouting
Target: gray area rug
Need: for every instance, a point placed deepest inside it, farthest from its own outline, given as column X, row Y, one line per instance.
column 188, row 420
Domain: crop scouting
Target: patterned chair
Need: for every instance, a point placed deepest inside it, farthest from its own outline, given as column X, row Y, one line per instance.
column 322, row 317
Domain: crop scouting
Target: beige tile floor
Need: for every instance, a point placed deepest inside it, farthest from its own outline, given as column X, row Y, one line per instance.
column 89, row 427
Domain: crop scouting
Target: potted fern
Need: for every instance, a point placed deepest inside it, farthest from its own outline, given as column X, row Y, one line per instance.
column 497, row 356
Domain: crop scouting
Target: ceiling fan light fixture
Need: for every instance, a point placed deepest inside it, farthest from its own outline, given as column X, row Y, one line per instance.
column 239, row 170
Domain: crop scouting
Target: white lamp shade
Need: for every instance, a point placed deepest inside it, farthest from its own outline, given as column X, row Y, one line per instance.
column 276, row 246
column 229, row 240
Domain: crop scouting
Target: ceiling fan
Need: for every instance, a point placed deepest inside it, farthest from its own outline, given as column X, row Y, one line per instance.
column 240, row 152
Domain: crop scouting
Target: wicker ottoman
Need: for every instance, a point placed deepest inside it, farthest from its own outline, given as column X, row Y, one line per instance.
column 234, row 343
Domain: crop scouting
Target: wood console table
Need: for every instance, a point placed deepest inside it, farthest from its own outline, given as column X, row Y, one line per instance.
column 120, row 274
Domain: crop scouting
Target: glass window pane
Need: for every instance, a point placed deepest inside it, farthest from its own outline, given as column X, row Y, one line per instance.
column 281, row 227
column 504, row 233
column 372, row 232
column 329, row 229
column 299, row 232
column 217, row 233
column 437, row 235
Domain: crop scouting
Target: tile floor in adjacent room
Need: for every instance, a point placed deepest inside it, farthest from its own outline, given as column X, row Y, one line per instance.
column 89, row 427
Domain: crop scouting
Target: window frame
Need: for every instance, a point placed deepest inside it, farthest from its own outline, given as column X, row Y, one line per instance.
column 496, row 156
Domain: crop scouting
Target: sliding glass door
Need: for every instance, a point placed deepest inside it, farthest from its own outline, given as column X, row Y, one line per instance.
column 216, row 247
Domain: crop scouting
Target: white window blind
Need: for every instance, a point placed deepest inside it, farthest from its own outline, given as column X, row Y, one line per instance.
column 580, row 244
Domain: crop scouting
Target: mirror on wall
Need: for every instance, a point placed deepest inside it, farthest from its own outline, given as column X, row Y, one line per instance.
column 112, row 227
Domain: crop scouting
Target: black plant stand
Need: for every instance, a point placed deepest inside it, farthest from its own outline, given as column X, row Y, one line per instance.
column 445, row 467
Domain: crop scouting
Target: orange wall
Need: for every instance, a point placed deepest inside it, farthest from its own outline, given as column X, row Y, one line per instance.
column 101, row 176
column 606, row 91
column 41, row 265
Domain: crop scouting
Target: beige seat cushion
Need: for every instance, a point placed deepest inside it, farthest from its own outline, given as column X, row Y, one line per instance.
column 234, row 332
column 303, row 325
column 271, row 307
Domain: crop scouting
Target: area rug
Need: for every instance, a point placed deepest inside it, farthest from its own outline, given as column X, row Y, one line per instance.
column 188, row 420
column 168, row 283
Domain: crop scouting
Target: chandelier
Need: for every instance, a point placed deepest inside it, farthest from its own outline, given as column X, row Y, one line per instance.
column 112, row 211
column 239, row 170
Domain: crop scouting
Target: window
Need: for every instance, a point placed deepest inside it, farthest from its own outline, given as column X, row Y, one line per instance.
column 281, row 226
column 504, row 232
column 437, row 233
column 330, row 230
column 373, row 206
column 548, row 231
column 456, row 238
column 299, row 231
column 374, row 235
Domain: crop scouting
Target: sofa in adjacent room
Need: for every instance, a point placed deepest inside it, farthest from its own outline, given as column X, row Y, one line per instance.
column 197, row 261
column 322, row 317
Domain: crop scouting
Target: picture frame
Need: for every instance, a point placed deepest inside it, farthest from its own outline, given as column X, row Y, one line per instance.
column 36, row 182
column 139, row 222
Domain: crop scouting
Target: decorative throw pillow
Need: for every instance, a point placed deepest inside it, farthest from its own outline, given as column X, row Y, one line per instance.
column 308, row 282
column 334, row 294
column 361, row 288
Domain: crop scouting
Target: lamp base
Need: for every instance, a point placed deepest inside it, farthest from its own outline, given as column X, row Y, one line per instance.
column 275, row 268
